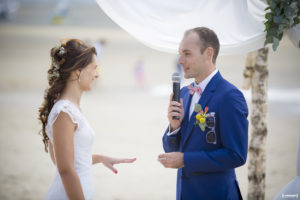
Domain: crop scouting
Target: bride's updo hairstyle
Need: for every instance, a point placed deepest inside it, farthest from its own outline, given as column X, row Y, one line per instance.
column 71, row 55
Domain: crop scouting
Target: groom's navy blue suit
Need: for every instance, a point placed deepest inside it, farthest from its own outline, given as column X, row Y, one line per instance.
column 208, row 171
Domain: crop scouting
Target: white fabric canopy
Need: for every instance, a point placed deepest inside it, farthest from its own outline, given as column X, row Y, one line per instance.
column 161, row 24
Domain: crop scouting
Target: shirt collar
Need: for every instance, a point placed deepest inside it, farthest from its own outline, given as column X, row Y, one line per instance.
column 204, row 83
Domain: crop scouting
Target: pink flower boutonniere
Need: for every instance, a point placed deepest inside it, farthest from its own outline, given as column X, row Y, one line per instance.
column 201, row 116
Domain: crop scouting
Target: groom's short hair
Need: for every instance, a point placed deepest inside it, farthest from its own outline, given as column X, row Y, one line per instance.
column 207, row 38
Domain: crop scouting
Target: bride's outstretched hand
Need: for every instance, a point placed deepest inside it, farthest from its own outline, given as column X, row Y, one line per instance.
column 109, row 162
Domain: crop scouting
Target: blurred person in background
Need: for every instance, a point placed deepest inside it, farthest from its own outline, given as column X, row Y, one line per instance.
column 139, row 73
column 60, row 12
column 99, row 44
column 9, row 9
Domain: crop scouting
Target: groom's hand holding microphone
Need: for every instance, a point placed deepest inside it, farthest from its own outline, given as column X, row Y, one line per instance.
column 175, row 110
column 175, row 113
column 175, row 117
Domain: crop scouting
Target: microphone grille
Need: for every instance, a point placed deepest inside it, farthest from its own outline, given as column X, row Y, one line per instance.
column 176, row 77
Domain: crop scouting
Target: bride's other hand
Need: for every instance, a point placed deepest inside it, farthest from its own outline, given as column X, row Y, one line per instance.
column 109, row 162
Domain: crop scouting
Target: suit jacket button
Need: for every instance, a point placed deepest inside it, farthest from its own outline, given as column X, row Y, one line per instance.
column 173, row 141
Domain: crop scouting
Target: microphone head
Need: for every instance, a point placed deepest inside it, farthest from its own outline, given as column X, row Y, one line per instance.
column 176, row 77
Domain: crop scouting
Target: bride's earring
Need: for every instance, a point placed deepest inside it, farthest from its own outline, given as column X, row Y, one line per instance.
column 79, row 77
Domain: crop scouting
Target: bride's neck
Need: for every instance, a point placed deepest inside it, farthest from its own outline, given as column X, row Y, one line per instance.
column 72, row 92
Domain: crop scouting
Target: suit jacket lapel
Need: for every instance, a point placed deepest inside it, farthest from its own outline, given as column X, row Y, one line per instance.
column 187, row 98
column 203, row 101
column 186, row 106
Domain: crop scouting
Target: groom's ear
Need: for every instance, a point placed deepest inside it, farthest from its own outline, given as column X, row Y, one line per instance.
column 209, row 51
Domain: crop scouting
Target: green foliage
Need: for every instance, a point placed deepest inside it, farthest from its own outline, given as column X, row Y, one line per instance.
column 202, row 126
column 282, row 15
column 198, row 108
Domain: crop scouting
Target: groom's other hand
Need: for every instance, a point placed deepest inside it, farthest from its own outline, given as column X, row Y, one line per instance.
column 175, row 109
column 172, row 160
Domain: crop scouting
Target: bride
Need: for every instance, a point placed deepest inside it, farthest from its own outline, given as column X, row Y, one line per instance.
column 66, row 132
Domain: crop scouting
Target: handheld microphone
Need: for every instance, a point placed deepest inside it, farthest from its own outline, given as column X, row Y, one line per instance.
column 176, row 90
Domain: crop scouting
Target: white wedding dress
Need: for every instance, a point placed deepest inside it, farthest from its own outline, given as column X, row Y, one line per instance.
column 83, row 141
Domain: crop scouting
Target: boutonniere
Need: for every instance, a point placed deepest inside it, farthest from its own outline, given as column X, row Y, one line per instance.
column 201, row 116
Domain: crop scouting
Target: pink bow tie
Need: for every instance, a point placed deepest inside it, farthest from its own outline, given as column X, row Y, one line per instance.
column 194, row 89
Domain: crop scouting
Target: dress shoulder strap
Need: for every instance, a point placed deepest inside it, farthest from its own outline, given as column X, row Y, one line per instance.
column 62, row 106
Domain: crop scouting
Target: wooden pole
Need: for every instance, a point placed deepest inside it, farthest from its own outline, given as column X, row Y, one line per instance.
column 258, row 74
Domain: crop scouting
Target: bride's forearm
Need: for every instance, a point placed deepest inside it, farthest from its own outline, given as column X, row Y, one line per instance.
column 72, row 184
column 97, row 158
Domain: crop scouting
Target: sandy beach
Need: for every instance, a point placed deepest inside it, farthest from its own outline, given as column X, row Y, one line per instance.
column 129, row 120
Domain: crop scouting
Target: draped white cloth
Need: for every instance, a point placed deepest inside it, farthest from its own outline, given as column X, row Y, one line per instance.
column 294, row 35
column 161, row 24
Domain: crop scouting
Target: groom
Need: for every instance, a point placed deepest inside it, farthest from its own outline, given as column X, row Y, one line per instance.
column 210, row 138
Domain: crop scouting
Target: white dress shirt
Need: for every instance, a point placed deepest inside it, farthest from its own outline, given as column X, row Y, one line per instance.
column 196, row 97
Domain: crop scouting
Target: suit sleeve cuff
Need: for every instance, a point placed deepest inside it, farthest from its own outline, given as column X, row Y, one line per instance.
column 173, row 132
